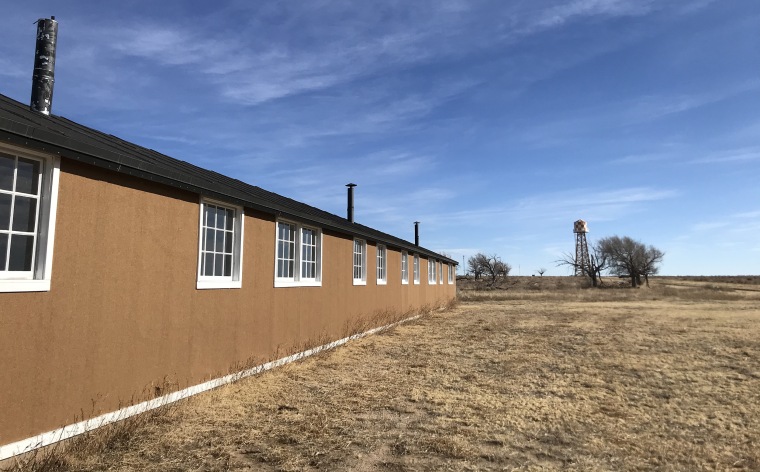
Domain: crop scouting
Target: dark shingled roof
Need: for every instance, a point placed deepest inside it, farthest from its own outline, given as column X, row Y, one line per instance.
column 56, row 134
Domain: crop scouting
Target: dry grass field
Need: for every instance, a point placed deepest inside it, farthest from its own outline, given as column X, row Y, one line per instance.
column 537, row 374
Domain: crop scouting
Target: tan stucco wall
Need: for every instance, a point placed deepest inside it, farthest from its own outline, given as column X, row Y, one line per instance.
column 123, row 312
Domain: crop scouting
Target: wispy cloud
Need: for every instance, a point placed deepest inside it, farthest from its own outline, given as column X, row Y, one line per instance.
column 730, row 156
column 565, row 12
column 12, row 69
column 652, row 107
column 642, row 158
column 314, row 52
column 616, row 116
column 562, row 206
column 168, row 46
column 738, row 229
column 709, row 226
column 748, row 215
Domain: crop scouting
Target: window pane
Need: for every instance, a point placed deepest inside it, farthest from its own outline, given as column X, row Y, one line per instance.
column 7, row 164
column 228, row 242
column 208, row 265
column 221, row 216
column 230, row 220
column 227, row 266
column 219, row 241
column 21, row 252
column 218, row 264
column 24, row 214
column 27, row 176
column 209, row 245
column 210, row 216
column 5, row 210
column 3, row 249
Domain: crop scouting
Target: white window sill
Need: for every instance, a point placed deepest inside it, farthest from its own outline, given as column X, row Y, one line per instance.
column 382, row 282
column 404, row 282
column 215, row 284
column 299, row 283
column 360, row 282
column 416, row 282
column 8, row 286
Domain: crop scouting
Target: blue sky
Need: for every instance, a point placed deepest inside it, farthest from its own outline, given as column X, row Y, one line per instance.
column 494, row 123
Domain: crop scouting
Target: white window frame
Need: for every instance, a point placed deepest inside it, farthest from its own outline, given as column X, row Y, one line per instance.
column 404, row 268
column 235, row 279
column 382, row 264
column 451, row 273
column 362, row 259
column 431, row 272
column 298, row 279
column 416, row 269
column 38, row 278
column 439, row 272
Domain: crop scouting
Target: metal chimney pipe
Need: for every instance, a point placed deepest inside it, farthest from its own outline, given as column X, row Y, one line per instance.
column 43, row 77
column 416, row 233
column 350, row 209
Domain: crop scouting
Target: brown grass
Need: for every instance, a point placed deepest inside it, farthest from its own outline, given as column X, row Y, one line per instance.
column 556, row 377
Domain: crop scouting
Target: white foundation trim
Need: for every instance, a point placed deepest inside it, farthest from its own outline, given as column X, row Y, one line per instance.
column 26, row 445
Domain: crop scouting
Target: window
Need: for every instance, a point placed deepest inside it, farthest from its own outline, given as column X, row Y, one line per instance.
column 439, row 272
column 299, row 255
column 451, row 273
column 404, row 267
column 382, row 258
column 431, row 271
column 310, row 253
column 220, row 246
column 416, row 268
column 28, row 201
column 286, row 250
column 360, row 262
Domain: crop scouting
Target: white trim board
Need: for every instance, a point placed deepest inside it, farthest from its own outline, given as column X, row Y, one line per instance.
column 67, row 432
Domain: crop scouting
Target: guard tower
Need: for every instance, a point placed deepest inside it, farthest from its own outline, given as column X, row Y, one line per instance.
column 580, row 228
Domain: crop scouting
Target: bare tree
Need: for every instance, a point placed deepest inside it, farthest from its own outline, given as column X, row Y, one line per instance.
column 631, row 258
column 503, row 269
column 541, row 271
column 491, row 265
column 598, row 261
column 474, row 266
column 650, row 263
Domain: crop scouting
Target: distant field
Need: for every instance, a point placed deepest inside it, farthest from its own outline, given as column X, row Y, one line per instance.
column 537, row 374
